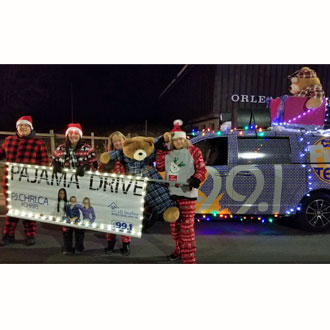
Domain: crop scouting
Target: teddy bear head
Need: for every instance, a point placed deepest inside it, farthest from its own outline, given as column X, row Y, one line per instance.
column 302, row 79
column 138, row 147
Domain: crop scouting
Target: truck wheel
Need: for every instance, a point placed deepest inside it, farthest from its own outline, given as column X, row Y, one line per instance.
column 315, row 213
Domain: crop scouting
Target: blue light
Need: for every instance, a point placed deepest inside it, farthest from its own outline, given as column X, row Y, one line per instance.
column 263, row 221
column 308, row 195
column 252, row 127
column 301, row 139
column 291, row 210
column 298, row 208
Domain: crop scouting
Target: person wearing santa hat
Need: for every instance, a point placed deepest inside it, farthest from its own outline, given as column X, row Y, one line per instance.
column 74, row 154
column 26, row 148
column 183, row 163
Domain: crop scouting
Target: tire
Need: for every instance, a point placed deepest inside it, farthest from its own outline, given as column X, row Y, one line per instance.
column 315, row 213
column 150, row 217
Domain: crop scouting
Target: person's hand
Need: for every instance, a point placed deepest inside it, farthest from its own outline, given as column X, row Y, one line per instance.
column 80, row 171
column 57, row 167
column 167, row 137
column 193, row 182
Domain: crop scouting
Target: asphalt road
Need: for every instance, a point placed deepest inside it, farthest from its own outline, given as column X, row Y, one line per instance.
column 217, row 243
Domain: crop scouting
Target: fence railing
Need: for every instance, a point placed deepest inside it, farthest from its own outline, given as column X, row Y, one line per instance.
column 52, row 136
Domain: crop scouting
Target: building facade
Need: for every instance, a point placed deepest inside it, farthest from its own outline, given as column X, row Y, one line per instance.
column 207, row 95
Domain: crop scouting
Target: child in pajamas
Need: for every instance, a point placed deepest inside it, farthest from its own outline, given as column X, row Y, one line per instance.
column 183, row 164
column 116, row 143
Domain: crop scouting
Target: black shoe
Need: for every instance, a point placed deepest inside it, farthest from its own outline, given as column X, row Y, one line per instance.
column 125, row 250
column 7, row 240
column 109, row 248
column 173, row 257
column 78, row 251
column 30, row 241
column 67, row 252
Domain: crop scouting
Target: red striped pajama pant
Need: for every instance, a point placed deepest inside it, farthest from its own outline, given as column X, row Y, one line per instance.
column 112, row 238
column 183, row 231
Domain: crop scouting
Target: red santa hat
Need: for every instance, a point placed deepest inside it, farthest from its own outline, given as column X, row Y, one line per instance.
column 177, row 131
column 25, row 120
column 74, row 128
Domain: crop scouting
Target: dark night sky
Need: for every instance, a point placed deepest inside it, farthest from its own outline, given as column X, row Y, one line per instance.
column 105, row 97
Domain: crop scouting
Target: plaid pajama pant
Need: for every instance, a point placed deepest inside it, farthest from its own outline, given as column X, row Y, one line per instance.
column 10, row 227
column 11, row 224
column 183, row 231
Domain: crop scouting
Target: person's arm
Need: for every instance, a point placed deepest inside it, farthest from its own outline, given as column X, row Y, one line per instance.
column 160, row 160
column 2, row 151
column 92, row 159
column 93, row 214
column 200, row 168
column 56, row 159
column 43, row 154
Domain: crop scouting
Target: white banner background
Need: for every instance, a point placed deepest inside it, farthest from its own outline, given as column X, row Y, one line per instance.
column 117, row 200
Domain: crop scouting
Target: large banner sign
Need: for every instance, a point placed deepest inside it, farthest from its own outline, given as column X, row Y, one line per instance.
column 103, row 202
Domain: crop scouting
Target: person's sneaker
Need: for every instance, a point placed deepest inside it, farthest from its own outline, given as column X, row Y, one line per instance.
column 125, row 250
column 7, row 240
column 30, row 241
column 173, row 257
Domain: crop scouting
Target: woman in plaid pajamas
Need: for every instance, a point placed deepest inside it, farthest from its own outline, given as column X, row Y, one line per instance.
column 183, row 163
column 25, row 148
column 116, row 143
column 77, row 155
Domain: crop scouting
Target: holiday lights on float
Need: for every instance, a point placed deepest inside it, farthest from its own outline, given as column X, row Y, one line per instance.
column 86, row 224
column 260, row 132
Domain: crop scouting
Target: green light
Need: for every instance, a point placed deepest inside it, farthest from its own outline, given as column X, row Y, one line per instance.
column 193, row 134
column 214, row 213
column 218, row 133
column 261, row 134
column 246, row 128
column 270, row 220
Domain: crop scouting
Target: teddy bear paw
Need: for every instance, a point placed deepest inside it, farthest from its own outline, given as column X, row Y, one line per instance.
column 171, row 214
column 105, row 158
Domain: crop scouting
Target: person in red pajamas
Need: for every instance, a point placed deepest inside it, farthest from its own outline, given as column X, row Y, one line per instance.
column 26, row 148
column 183, row 163
column 80, row 156
column 115, row 143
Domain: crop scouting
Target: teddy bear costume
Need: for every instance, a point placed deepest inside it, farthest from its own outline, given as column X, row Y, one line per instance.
column 157, row 195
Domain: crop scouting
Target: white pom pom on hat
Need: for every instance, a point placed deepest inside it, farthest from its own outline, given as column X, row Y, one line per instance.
column 177, row 131
column 178, row 122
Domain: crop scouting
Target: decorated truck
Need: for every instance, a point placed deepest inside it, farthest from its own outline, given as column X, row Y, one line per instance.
column 263, row 173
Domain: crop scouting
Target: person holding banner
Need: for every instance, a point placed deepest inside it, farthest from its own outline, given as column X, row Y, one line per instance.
column 183, row 163
column 116, row 143
column 26, row 148
column 74, row 154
